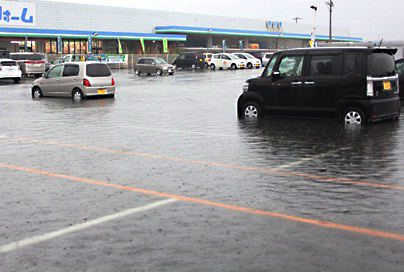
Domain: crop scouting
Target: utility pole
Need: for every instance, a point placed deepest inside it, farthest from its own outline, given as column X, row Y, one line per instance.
column 330, row 5
column 296, row 18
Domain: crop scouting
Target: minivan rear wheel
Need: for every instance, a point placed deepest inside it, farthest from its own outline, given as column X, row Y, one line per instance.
column 77, row 95
column 193, row 66
column 251, row 109
column 354, row 116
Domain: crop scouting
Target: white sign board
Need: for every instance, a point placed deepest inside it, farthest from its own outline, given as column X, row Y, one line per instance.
column 17, row 13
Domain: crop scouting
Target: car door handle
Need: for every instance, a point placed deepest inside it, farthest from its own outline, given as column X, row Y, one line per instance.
column 309, row 83
column 296, row 83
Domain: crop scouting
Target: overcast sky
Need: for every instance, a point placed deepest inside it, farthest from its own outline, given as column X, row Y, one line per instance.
column 369, row 19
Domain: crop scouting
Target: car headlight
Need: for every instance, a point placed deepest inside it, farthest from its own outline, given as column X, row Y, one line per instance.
column 245, row 86
column 165, row 68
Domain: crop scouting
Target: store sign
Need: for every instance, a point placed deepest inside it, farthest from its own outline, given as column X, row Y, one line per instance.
column 17, row 13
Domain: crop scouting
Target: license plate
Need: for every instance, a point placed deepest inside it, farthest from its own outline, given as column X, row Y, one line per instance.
column 386, row 85
column 102, row 91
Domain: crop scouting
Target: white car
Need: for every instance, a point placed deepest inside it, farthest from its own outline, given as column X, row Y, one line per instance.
column 9, row 69
column 266, row 58
column 250, row 60
column 226, row 61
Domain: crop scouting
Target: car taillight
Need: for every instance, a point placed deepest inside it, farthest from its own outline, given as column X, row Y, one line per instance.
column 113, row 82
column 86, row 82
column 369, row 91
column 41, row 61
column 28, row 62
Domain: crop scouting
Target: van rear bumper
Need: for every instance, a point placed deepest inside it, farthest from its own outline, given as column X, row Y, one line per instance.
column 384, row 109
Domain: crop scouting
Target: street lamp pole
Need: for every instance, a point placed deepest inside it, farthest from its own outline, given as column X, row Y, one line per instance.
column 313, row 36
column 330, row 5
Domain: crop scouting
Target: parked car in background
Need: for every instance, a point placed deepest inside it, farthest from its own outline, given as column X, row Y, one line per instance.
column 208, row 59
column 56, row 61
column 151, row 65
column 227, row 61
column 9, row 69
column 265, row 58
column 355, row 85
column 76, row 80
column 30, row 63
column 47, row 63
column 190, row 60
column 400, row 72
column 250, row 60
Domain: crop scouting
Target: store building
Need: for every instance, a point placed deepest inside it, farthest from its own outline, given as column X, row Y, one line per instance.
column 57, row 27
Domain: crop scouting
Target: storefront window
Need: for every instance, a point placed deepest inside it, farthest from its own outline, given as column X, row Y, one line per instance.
column 71, row 46
column 77, row 46
column 48, row 47
column 65, row 47
column 54, row 49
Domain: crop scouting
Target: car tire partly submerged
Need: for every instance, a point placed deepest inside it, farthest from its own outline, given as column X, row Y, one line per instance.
column 354, row 116
column 77, row 95
column 251, row 110
column 36, row 92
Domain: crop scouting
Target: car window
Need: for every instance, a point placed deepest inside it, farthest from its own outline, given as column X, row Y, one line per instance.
column 348, row 62
column 291, row 66
column 141, row 61
column 216, row 56
column 182, row 57
column 270, row 66
column 267, row 56
column 14, row 57
column 149, row 61
column 55, row 72
column 98, row 70
column 381, row 64
column 400, row 68
column 160, row 61
column 8, row 63
column 325, row 65
column 71, row 70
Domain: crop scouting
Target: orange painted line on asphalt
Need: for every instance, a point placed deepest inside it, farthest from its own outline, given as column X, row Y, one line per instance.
column 216, row 164
column 325, row 224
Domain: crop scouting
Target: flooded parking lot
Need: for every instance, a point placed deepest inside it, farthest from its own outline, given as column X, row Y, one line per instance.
column 165, row 177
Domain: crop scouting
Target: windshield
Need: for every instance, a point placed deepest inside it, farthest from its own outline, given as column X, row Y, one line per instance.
column 249, row 56
column 160, row 61
column 232, row 56
column 381, row 64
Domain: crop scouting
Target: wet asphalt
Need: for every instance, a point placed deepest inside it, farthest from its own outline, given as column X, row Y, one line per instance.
column 227, row 194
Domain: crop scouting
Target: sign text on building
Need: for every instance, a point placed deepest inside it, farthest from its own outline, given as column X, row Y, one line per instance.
column 17, row 13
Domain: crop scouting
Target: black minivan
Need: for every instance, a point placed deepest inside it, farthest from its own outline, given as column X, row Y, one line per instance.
column 353, row 84
column 190, row 60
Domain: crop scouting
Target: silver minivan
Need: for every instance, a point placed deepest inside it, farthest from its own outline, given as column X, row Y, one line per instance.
column 76, row 80
column 150, row 65
column 30, row 63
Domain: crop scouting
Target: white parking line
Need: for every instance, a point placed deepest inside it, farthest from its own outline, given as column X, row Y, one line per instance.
column 51, row 235
column 310, row 159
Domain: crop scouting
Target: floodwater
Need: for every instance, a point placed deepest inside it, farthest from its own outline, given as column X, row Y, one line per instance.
column 247, row 195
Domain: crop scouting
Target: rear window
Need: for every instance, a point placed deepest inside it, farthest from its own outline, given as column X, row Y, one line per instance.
column 381, row 64
column 30, row 57
column 141, row 61
column 8, row 63
column 98, row 70
column 4, row 54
